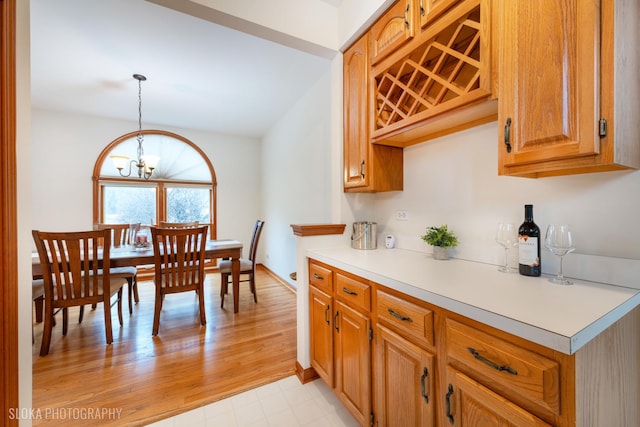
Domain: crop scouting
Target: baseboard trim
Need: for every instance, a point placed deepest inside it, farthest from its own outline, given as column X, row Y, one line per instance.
column 305, row 375
column 275, row 276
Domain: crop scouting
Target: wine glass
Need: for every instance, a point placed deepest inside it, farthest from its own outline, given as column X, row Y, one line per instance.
column 507, row 237
column 559, row 241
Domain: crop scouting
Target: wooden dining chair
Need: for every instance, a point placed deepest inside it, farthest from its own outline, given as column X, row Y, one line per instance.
column 247, row 266
column 120, row 237
column 37, row 292
column 165, row 224
column 76, row 273
column 178, row 255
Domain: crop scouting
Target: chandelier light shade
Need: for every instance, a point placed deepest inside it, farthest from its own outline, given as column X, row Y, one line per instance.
column 144, row 164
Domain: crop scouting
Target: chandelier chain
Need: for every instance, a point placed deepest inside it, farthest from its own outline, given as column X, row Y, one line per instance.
column 140, row 137
column 145, row 168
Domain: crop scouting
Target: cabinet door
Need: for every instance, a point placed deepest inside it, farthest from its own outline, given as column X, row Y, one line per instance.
column 429, row 10
column 405, row 379
column 549, row 92
column 367, row 167
column 353, row 361
column 356, row 123
column 321, row 334
column 392, row 30
column 467, row 403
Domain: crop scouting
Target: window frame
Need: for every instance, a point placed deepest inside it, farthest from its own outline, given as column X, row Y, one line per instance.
column 161, row 185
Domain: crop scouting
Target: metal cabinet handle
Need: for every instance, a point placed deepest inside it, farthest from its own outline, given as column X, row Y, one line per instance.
column 335, row 321
column 317, row 276
column 507, row 134
column 422, row 9
column 399, row 316
column 326, row 315
column 406, row 13
column 348, row 291
column 362, row 169
column 491, row 363
column 423, row 385
column 448, row 404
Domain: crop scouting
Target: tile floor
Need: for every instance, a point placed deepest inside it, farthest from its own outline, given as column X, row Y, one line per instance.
column 284, row 403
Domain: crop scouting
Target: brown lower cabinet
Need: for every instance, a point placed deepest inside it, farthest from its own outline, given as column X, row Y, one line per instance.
column 340, row 340
column 404, row 381
column 395, row 360
column 468, row 403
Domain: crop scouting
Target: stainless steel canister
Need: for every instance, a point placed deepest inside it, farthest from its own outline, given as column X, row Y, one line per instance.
column 363, row 235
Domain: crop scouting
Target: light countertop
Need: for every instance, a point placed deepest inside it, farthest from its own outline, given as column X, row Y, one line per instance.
column 563, row 318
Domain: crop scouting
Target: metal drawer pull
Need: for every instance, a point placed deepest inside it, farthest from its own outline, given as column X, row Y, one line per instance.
column 326, row 315
column 335, row 321
column 423, row 385
column 399, row 316
column 491, row 363
column 348, row 291
column 507, row 134
column 406, row 12
column 448, row 403
column 317, row 276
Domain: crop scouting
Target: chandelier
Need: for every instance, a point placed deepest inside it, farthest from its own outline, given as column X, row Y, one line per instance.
column 144, row 164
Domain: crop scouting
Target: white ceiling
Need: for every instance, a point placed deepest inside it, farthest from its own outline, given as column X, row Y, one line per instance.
column 199, row 75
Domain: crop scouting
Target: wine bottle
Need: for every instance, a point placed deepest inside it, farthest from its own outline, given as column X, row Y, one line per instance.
column 529, row 245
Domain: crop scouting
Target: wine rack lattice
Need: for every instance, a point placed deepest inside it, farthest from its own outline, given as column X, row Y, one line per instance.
column 440, row 70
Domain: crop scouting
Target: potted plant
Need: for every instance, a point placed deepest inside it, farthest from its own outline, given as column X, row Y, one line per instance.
column 441, row 238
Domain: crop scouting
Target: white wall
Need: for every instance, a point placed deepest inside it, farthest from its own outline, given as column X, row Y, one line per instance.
column 296, row 163
column 65, row 147
column 23, row 178
column 453, row 180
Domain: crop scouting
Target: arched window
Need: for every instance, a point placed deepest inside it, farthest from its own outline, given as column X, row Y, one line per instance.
column 182, row 187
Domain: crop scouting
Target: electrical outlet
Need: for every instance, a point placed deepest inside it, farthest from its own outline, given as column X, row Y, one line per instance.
column 402, row 215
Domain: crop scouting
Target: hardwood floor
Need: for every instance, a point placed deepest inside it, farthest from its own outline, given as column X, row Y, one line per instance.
column 145, row 378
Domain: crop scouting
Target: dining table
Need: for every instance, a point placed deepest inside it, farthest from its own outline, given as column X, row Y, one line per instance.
column 126, row 256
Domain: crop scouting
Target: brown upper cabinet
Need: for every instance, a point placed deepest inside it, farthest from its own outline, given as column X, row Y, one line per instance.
column 367, row 168
column 439, row 82
column 429, row 10
column 568, row 87
column 560, row 78
column 392, row 30
column 398, row 25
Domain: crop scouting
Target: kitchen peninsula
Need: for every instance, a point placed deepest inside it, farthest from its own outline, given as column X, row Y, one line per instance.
column 484, row 344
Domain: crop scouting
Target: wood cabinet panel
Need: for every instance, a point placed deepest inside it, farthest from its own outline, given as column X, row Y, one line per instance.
column 510, row 368
column 405, row 317
column 367, row 168
column 340, row 336
column 321, row 336
column 548, row 94
column 468, row 403
column 321, row 277
column 558, row 81
column 405, row 382
column 353, row 291
column 353, row 361
column 430, row 10
column 356, row 135
column 392, row 30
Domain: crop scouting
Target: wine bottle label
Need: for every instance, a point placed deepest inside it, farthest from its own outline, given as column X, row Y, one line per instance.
column 528, row 250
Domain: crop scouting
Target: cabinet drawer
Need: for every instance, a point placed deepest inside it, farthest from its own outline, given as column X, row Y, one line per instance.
column 405, row 317
column 513, row 370
column 353, row 291
column 320, row 277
